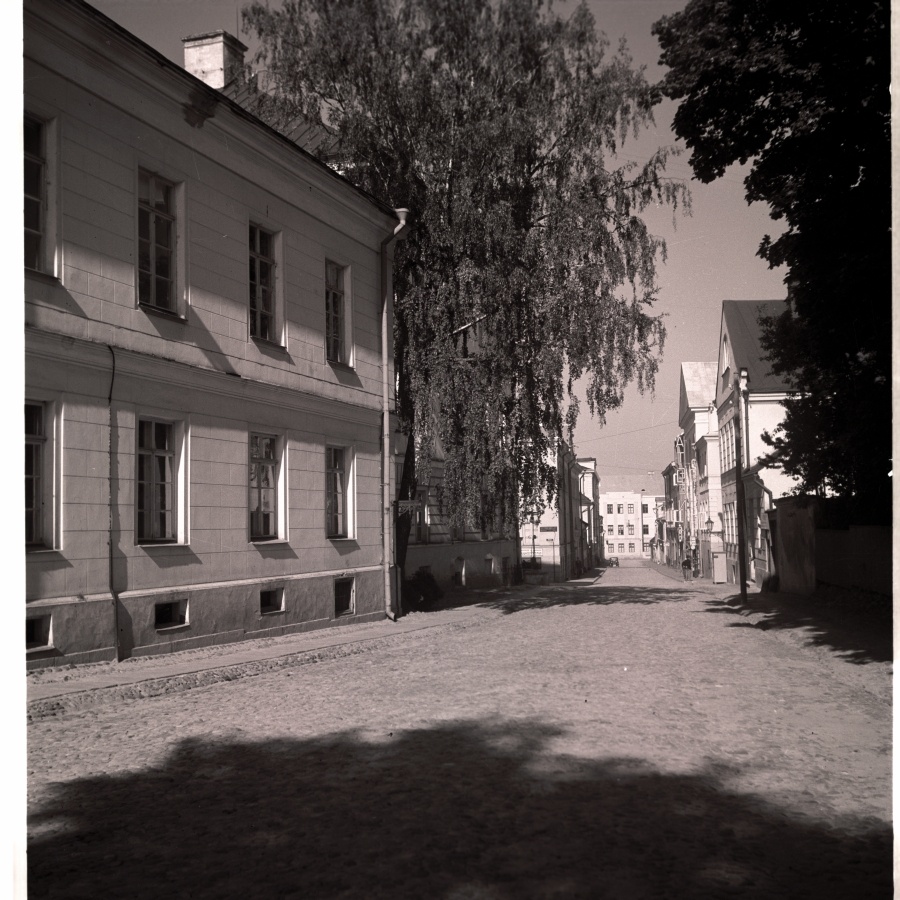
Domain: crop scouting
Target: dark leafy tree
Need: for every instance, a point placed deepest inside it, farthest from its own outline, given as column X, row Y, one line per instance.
column 802, row 90
column 528, row 266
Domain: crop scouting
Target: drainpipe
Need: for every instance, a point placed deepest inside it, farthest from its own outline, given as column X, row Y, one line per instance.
column 112, row 584
column 387, row 505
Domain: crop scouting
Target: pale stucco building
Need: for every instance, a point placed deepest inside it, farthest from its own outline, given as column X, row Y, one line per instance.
column 207, row 355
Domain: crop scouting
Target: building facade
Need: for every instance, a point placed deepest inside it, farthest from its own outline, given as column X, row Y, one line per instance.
column 749, row 401
column 629, row 523
column 559, row 540
column 696, row 452
column 207, row 349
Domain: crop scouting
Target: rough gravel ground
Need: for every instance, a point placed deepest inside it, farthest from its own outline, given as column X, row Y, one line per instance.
column 631, row 738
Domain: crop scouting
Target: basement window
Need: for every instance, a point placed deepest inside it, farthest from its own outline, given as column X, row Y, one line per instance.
column 343, row 597
column 37, row 632
column 271, row 600
column 170, row 615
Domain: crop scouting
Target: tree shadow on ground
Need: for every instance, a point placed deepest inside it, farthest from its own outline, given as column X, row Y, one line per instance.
column 860, row 632
column 459, row 810
column 594, row 595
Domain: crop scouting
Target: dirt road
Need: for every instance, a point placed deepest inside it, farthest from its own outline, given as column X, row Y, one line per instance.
column 628, row 738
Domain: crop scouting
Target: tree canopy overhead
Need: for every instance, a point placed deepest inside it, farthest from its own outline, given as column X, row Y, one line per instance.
column 496, row 122
column 802, row 90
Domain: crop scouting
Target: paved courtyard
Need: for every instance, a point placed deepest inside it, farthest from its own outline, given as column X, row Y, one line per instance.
column 627, row 736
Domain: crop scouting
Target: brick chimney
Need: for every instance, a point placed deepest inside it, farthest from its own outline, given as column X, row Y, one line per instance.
column 214, row 58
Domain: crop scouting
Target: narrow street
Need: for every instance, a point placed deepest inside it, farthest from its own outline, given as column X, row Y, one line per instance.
column 624, row 736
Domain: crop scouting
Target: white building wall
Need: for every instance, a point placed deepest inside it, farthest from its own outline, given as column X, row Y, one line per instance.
column 99, row 359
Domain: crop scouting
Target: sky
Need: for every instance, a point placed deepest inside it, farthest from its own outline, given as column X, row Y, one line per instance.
column 711, row 254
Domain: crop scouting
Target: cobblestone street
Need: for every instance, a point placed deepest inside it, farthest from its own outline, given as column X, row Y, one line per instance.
column 623, row 736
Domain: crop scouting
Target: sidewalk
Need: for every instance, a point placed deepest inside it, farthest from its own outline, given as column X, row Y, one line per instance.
column 167, row 673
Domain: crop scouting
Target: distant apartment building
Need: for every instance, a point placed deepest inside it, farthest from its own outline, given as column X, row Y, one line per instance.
column 207, row 355
column 629, row 523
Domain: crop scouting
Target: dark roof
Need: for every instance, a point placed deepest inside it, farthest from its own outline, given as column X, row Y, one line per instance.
column 740, row 318
column 313, row 137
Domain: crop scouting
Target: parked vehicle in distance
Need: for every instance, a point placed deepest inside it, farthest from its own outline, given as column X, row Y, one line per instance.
column 613, row 561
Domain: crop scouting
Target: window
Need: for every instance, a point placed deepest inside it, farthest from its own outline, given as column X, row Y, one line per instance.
column 172, row 614
column 156, row 487
column 646, row 529
column 609, row 529
column 35, row 454
column 262, row 285
column 621, row 530
column 646, row 547
column 621, row 548
column 338, row 492
column 338, row 348
column 271, row 600
column 419, row 533
column 619, row 508
column 631, row 548
column 35, row 181
column 343, row 597
column 38, row 632
column 156, row 242
column 610, row 547
column 609, row 508
column 42, row 476
column 630, row 528
column 644, row 509
column 630, row 509
column 264, row 486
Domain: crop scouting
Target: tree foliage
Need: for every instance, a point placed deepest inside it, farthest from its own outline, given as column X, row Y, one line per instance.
column 802, row 90
column 528, row 265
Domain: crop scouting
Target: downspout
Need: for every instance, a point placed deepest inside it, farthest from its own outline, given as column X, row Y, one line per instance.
column 112, row 585
column 387, row 505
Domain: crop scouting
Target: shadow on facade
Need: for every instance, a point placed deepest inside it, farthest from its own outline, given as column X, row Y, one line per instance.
column 859, row 634
column 458, row 810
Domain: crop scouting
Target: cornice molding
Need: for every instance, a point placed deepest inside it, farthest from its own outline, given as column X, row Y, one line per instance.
column 90, row 355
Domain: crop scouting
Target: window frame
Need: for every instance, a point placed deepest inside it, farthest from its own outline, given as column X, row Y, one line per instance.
column 177, row 216
column 49, row 518
column 49, row 262
column 180, row 473
column 347, row 493
column 278, row 336
column 347, row 351
column 279, row 487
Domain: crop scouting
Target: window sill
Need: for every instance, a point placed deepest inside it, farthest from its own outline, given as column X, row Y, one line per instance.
column 266, row 344
column 167, row 629
column 162, row 313
column 340, row 539
column 34, row 549
column 342, row 366
column 40, row 275
column 271, row 612
column 151, row 545
column 268, row 542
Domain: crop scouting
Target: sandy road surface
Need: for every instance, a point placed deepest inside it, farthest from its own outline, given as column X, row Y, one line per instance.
column 624, row 739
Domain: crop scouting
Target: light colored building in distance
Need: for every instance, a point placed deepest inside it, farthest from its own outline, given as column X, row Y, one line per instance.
column 629, row 523
column 560, row 540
